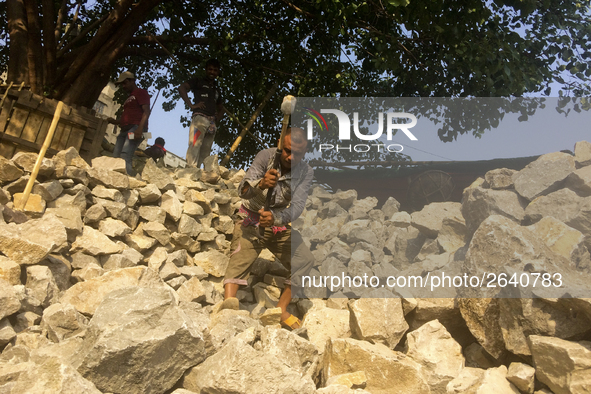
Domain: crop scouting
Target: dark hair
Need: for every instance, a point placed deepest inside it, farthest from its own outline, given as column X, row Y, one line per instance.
column 298, row 135
column 159, row 141
column 213, row 62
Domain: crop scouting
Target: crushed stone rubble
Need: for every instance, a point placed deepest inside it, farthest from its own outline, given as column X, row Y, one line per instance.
column 111, row 284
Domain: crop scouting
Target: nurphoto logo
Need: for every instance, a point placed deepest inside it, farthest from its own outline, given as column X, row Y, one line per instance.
column 344, row 123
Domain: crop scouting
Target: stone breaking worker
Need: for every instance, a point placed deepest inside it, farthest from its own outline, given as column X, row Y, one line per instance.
column 156, row 151
column 289, row 185
column 207, row 109
column 133, row 122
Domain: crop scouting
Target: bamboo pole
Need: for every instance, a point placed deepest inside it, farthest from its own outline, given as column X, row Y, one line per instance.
column 256, row 113
column 4, row 96
column 235, row 119
column 48, row 138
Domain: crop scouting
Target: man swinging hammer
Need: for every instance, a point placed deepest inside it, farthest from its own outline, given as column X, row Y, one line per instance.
column 289, row 185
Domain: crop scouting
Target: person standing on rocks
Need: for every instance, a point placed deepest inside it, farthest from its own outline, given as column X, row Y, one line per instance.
column 133, row 121
column 207, row 109
column 289, row 185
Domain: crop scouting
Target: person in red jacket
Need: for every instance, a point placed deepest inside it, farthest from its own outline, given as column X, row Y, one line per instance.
column 133, row 121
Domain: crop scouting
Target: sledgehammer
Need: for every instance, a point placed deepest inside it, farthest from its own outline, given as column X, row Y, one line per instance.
column 287, row 107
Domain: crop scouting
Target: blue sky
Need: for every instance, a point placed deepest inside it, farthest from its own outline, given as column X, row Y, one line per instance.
column 543, row 133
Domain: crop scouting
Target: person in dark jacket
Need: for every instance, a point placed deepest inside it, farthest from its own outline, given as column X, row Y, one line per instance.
column 206, row 108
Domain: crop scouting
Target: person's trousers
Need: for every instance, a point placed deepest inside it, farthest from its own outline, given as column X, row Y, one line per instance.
column 125, row 148
column 200, row 140
column 288, row 246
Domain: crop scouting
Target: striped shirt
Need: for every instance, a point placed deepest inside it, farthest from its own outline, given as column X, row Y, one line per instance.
column 290, row 194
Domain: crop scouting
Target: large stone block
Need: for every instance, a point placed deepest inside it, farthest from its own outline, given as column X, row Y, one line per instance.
column 95, row 243
column 433, row 347
column 49, row 375
column 564, row 366
column 326, row 323
column 9, row 300
column 87, row 296
column 152, row 174
column 544, row 175
column 430, row 219
column 387, row 371
column 212, row 262
column 30, row 242
column 139, row 341
column 378, row 320
column 583, row 153
column 9, row 171
column 475, row 380
column 108, row 178
column 252, row 372
column 479, row 203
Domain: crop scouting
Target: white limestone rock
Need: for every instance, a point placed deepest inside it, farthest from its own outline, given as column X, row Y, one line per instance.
column 430, row 218
column 42, row 285
column 9, row 300
column 87, row 296
column 544, row 175
column 62, row 321
column 387, row 371
column 564, row 366
column 253, row 372
column 582, row 154
column 30, row 242
column 522, row 376
column 378, row 320
column 95, row 243
column 212, row 262
column 433, row 347
column 10, row 271
column 133, row 328
column 326, row 324
column 114, row 228
column 475, row 380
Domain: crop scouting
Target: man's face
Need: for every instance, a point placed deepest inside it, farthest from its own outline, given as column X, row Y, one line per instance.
column 292, row 154
column 127, row 85
column 212, row 72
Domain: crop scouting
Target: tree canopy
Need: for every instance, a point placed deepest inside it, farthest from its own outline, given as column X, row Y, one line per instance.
column 69, row 49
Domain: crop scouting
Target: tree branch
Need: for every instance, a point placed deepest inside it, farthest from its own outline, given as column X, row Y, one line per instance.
column 165, row 39
column 72, row 25
column 109, row 28
column 157, row 52
column 81, row 35
column 49, row 41
column 299, row 10
column 60, row 19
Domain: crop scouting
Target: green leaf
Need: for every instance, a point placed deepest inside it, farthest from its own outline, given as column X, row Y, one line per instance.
column 399, row 3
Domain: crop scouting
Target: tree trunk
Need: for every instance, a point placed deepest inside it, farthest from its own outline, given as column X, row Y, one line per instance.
column 18, row 69
column 34, row 48
column 87, row 69
column 90, row 71
column 49, row 45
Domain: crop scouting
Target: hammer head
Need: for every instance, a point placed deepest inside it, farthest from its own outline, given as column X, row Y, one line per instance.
column 288, row 105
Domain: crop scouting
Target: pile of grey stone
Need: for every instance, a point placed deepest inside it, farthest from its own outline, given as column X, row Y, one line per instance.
column 110, row 284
